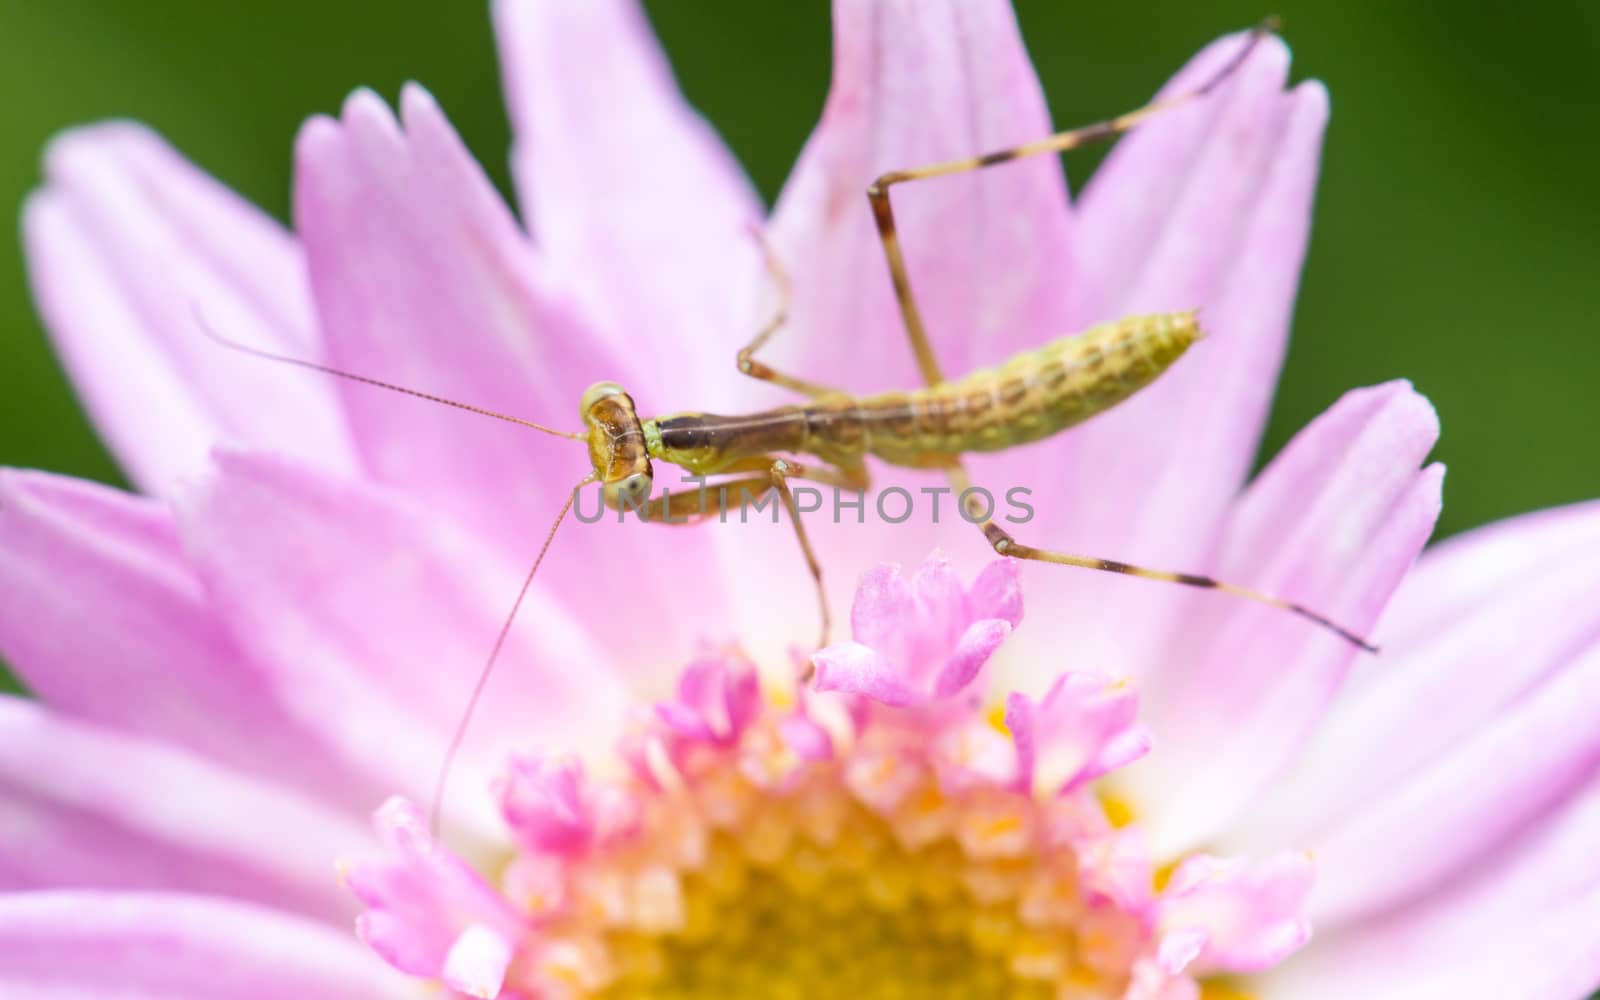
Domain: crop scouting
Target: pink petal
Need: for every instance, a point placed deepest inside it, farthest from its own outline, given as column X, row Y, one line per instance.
column 1487, row 621
column 86, row 809
column 1084, row 727
column 941, row 608
column 989, row 252
column 853, row 668
column 997, row 593
column 1519, row 923
column 971, row 753
column 378, row 613
column 555, row 811
column 1116, row 866
column 103, row 617
column 125, row 242
column 424, row 898
column 1207, row 207
column 1150, row 983
column 422, row 278
column 971, row 653
column 543, row 801
column 630, row 193
column 1468, row 576
column 1147, row 206
column 1229, row 916
column 1550, row 956
column 883, row 614
column 78, row 945
column 806, row 738
column 1333, row 523
column 916, row 640
column 1411, row 835
column 477, row 963
column 717, row 699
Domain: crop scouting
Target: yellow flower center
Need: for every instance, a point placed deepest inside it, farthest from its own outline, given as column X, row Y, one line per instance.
column 746, row 891
column 748, row 872
column 861, row 917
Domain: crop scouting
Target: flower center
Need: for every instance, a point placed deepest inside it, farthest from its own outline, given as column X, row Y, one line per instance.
column 754, row 873
column 783, row 907
column 832, row 845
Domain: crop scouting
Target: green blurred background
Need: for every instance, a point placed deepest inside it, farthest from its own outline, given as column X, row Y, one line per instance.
column 1456, row 214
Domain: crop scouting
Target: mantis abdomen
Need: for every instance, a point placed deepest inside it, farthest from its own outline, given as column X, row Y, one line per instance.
column 1031, row 396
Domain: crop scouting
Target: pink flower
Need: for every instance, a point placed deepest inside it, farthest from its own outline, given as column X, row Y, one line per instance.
column 275, row 638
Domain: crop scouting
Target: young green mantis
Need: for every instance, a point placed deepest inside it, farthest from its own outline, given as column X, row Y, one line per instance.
column 1031, row 396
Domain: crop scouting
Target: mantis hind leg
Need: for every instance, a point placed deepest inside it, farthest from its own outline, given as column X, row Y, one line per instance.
column 1006, row 545
column 883, row 210
column 883, row 216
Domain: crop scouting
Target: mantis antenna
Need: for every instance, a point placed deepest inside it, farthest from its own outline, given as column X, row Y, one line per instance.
column 437, row 806
column 315, row 366
column 454, row 746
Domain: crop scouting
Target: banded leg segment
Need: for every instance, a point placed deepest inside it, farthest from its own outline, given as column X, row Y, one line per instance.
column 1006, row 545
column 883, row 210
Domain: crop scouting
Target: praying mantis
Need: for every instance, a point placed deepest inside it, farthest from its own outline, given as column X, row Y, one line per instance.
column 1033, row 395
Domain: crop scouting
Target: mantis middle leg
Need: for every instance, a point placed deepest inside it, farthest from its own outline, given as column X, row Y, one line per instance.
column 746, row 361
column 718, row 498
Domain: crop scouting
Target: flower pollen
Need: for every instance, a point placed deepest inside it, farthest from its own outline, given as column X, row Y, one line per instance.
column 781, row 844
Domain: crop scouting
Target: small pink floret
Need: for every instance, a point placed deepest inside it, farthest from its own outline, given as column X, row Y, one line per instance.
column 718, row 696
column 1229, row 915
column 1085, row 726
column 429, row 913
column 921, row 640
column 552, row 808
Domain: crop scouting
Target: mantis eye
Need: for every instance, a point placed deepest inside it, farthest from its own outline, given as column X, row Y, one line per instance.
column 632, row 490
column 595, row 393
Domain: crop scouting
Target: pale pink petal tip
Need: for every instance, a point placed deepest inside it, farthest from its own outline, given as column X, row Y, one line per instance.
column 923, row 639
column 921, row 83
column 430, row 914
column 1225, row 915
column 477, row 962
column 852, row 668
column 1084, row 727
column 662, row 257
column 127, row 242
